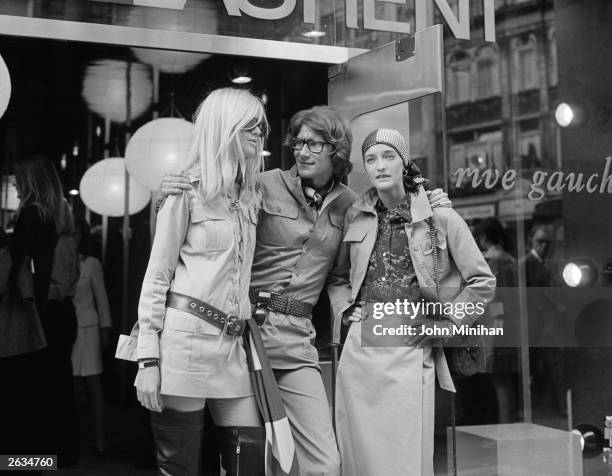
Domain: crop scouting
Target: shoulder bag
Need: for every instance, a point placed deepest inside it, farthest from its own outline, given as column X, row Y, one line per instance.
column 466, row 354
column 20, row 329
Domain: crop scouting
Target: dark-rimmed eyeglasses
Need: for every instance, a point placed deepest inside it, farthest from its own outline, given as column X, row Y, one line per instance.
column 255, row 123
column 314, row 146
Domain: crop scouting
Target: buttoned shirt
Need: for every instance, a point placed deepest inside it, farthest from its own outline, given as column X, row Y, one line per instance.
column 391, row 273
column 296, row 246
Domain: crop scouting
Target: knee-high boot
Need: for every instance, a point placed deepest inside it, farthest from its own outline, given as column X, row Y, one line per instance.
column 243, row 450
column 177, row 438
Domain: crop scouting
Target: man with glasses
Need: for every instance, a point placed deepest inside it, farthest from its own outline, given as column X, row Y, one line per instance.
column 299, row 231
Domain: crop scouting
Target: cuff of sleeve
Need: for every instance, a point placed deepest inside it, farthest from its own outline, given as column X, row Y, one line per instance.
column 148, row 346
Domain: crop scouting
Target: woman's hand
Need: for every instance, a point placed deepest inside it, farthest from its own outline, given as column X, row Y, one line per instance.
column 172, row 184
column 422, row 337
column 353, row 314
column 438, row 198
column 147, row 388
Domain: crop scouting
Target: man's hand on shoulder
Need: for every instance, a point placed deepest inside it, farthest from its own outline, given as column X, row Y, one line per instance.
column 438, row 198
column 172, row 184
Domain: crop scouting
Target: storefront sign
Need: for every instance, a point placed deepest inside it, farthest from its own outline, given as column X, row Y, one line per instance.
column 459, row 23
column 541, row 180
column 169, row 4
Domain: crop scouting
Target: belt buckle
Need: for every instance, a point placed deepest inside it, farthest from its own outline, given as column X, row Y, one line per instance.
column 235, row 325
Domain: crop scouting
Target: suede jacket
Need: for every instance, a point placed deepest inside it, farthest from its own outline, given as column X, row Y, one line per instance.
column 465, row 276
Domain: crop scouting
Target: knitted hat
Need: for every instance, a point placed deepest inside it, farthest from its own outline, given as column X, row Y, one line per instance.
column 389, row 137
column 394, row 139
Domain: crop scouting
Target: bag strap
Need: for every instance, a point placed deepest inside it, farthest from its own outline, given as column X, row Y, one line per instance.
column 434, row 252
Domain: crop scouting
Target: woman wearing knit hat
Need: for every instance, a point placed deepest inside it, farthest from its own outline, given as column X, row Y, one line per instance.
column 385, row 382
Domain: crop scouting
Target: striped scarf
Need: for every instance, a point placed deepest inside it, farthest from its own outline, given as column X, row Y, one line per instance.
column 280, row 450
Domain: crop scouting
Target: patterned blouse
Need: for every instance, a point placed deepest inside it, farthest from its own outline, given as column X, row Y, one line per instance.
column 391, row 274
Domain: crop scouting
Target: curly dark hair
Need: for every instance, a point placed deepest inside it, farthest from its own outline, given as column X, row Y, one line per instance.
column 333, row 128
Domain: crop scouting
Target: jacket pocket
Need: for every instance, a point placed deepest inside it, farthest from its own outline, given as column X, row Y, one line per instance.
column 281, row 209
column 425, row 245
column 189, row 341
column 187, row 323
column 209, row 232
column 279, row 224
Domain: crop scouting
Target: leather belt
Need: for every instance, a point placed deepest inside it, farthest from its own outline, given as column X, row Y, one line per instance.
column 283, row 304
column 206, row 312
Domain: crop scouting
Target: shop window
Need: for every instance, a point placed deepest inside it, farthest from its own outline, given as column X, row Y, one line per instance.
column 487, row 72
column 525, row 59
column 483, row 156
column 458, row 78
column 530, row 150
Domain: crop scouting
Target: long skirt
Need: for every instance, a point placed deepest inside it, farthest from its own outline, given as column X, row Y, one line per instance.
column 385, row 408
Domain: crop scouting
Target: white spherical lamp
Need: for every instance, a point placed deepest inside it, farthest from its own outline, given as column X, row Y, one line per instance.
column 105, row 89
column 173, row 62
column 102, row 189
column 158, row 147
column 5, row 87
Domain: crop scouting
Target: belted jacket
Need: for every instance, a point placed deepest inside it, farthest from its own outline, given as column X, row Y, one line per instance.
column 464, row 275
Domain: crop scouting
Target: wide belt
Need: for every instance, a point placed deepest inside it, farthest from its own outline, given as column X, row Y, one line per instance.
column 233, row 325
column 283, row 304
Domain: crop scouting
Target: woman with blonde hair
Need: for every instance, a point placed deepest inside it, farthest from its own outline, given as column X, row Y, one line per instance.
column 194, row 305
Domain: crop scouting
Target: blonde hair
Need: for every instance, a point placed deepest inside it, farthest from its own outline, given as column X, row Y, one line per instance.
column 40, row 186
column 216, row 150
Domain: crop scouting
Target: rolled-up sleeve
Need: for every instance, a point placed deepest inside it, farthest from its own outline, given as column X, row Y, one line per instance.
column 172, row 222
column 478, row 278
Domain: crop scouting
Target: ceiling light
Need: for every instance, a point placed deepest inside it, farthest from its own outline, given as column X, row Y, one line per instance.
column 73, row 192
column 266, row 153
column 242, row 79
column 240, row 74
column 313, row 34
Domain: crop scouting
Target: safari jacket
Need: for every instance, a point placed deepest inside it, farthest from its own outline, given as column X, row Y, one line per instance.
column 464, row 273
column 203, row 250
column 295, row 250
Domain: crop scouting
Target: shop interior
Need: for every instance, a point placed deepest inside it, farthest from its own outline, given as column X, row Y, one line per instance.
column 51, row 113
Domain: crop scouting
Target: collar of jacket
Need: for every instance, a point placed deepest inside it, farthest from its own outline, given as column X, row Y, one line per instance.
column 294, row 184
column 419, row 204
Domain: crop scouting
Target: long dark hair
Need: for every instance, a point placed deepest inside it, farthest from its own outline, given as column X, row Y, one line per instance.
column 40, row 186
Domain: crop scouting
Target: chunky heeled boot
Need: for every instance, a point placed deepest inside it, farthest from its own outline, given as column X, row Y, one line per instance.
column 177, row 438
column 243, row 450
